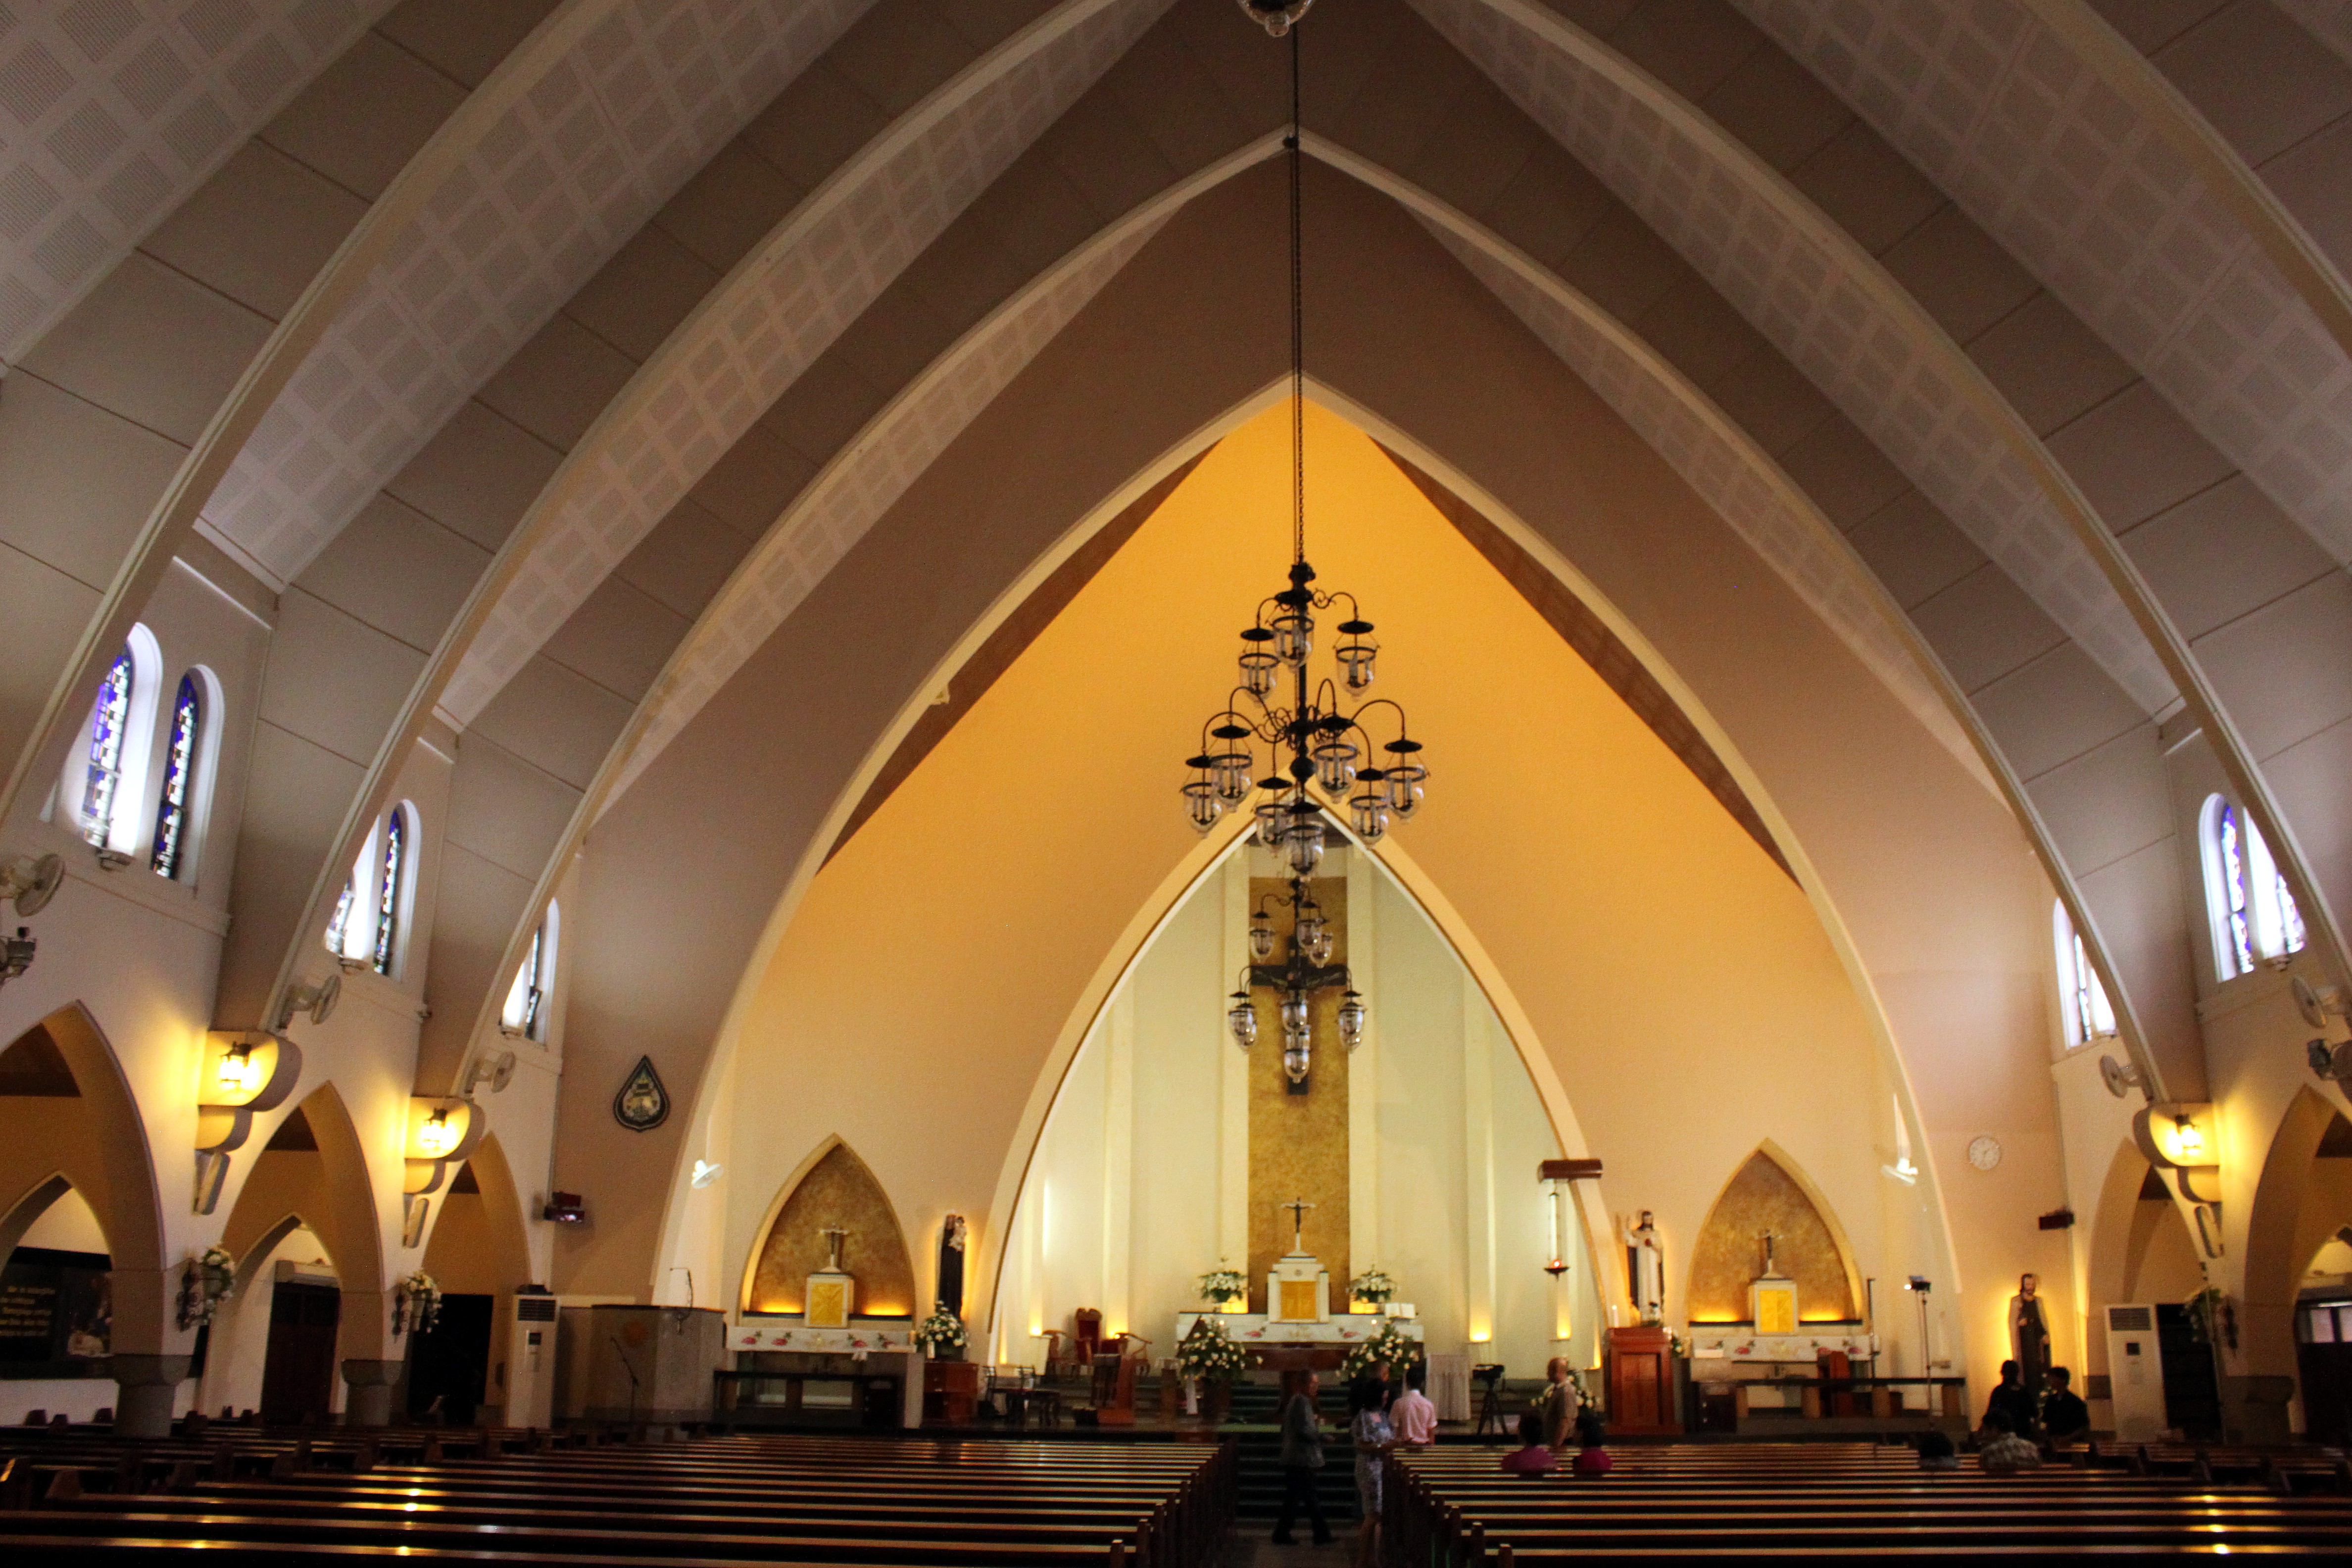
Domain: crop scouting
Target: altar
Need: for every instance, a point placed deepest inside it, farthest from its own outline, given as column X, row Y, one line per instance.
column 1256, row 1329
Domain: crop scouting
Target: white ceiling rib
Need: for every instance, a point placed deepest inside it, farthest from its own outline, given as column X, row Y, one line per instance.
column 861, row 485
column 1727, row 469
column 772, row 317
column 584, row 156
column 113, row 111
column 2076, row 183
column 1826, row 305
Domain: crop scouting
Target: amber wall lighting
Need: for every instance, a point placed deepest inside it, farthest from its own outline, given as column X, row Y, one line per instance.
column 242, row 1074
column 2180, row 1137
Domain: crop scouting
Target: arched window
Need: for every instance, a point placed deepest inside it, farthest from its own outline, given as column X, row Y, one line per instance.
column 2253, row 910
column 106, row 774
column 180, row 755
column 388, row 890
column 2089, row 1015
column 365, row 931
column 525, row 1013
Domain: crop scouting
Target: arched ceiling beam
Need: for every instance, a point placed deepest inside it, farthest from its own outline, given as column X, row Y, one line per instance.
column 516, row 220
column 2090, row 168
column 119, row 114
column 775, row 314
column 1874, row 350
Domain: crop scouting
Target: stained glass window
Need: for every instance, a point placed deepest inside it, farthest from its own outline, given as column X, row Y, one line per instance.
column 521, row 1015
column 108, row 722
column 387, row 915
column 179, row 767
column 340, row 924
column 2237, row 912
column 2291, row 933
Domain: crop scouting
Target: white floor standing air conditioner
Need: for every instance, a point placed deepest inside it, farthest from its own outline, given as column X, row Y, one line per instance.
column 2134, row 1373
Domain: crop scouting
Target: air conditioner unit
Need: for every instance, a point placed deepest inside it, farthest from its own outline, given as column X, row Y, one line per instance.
column 2134, row 1373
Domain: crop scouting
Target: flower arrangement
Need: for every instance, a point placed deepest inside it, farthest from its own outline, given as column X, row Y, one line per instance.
column 416, row 1304
column 2210, row 1317
column 1221, row 1285
column 940, row 1333
column 1372, row 1286
column 1209, row 1353
column 1390, row 1345
column 207, row 1282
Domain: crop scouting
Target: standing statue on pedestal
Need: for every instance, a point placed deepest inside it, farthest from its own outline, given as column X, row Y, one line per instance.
column 1645, row 1270
column 2029, row 1333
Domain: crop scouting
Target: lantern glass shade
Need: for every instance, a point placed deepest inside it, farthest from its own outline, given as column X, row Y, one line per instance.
column 1304, row 842
column 1356, row 658
column 1261, row 937
column 1404, row 781
column 1273, row 817
column 239, row 1073
column 1352, row 1020
column 1367, row 812
column 1294, row 636
column 1201, row 805
column 1293, row 1063
column 1241, row 1018
column 1294, row 1012
column 1335, row 764
column 436, row 1137
column 1232, row 777
column 1259, row 668
column 1319, row 945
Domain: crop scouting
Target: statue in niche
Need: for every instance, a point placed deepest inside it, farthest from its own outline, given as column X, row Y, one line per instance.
column 2028, row 1331
column 1645, row 1270
column 953, row 1236
column 832, row 1292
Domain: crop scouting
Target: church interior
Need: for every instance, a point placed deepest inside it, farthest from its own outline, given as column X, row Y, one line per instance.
column 812, row 779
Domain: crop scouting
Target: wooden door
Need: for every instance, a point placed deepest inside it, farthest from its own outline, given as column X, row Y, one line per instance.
column 452, row 1363
column 298, row 1375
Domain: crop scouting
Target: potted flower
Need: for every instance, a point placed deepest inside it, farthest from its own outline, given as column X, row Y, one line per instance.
column 940, row 1335
column 416, row 1304
column 1222, row 1285
column 206, row 1285
column 1391, row 1344
column 1209, row 1353
column 1372, row 1286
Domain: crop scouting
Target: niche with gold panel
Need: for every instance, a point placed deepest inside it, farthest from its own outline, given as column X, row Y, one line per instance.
column 1768, row 1195
column 833, row 1190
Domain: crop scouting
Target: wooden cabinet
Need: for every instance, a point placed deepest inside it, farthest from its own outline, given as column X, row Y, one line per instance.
column 1640, row 1373
column 950, row 1391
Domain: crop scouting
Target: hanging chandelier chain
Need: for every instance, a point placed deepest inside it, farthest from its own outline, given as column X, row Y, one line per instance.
column 1298, row 327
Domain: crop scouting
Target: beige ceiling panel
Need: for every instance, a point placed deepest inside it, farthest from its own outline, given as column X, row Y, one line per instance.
column 685, row 559
column 1174, row 99
column 2110, row 803
column 2287, row 668
column 2134, row 457
column 1985, row 626
column 504, row 810
column 74, row 480
column 36, row 600
column 295, row 796
column 2254, row 75
column 2309, row 179
column 557, row 721
column 1550, row 206
column 2222, row 553
column 651, row 284
column 1866, row 187
column 477, row 475
column 333, row 680
column 823, row 408
column 815, row 128
column 1699, row 331
column 1037, row 214
column 619, row 638
column 1844, row 471
column 558, row 383
column 752, row 482
column 119, row 114
column 1779, row 108
column 894, row 66
column 464, row 39
column 1621, row 264
column 1959, row 273
column 1913, row 548
column 1692, row 46
column 152, row 345
column 477, row 903
column 211, row 237
column 1100, row 150
column 365, row 116
column 2146, row 931
column 1772, row 401
column 728, row 206
column 1475, row 161
column 399, row 571
column 2049, row 365
column 886, row 348
column 2054, row 709
column 2309, row 778
column 2152, row 24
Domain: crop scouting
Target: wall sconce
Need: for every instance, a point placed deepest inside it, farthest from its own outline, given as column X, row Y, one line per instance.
column 442, row 1132
column 2179, row 1136
column 242, row 1074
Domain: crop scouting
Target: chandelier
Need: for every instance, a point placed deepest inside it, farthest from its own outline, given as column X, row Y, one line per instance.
column 1302, row 727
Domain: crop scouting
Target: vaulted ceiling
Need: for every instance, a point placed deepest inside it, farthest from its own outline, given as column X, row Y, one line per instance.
column 552, row 365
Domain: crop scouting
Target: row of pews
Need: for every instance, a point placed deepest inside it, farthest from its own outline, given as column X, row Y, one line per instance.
column 1453, row 1508
column 313, row 1494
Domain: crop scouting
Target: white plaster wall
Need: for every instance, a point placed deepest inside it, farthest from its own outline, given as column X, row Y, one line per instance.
column 239, row 1348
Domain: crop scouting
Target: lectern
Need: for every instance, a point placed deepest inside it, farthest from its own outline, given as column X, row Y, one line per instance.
column 1640, row 1374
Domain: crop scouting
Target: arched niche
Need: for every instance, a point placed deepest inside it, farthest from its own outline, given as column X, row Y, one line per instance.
column 2141, row 1246
column 833, row 1187
column 1769, row 1193
column 478, row 1244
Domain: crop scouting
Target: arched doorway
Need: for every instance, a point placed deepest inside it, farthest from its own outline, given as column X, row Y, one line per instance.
column 471, row 1366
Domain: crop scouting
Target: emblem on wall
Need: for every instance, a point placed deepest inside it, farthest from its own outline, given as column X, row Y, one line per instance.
column 643, row 1103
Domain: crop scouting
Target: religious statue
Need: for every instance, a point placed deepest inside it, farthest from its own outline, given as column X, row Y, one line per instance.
column 1645, row 1270
column 951, row 1250
column 2028, row 1331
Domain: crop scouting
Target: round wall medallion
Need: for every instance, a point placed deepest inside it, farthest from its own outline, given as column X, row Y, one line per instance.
column 1985, row 1153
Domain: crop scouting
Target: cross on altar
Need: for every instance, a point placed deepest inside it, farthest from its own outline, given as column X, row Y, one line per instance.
column 1297, row 1207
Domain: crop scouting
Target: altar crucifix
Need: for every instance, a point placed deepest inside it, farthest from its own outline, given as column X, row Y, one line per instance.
column 1298, row 1290
column 1297, row 1207
column 1772, row 1305
column 832, row 1292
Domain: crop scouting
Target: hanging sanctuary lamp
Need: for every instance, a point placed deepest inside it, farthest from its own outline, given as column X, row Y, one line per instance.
column 1301, row 728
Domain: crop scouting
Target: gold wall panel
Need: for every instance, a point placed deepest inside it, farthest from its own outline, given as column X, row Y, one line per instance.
column 1298, row 1143
column 837, row 1190
column 1729, row 1253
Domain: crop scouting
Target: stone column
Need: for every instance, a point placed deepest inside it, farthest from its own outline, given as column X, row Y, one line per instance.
column 370, row 1402
column 148, row 1386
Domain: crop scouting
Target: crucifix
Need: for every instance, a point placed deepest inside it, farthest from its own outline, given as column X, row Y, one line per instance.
column 1767, row 1238
column 1297, row 1207
column 833, row 1236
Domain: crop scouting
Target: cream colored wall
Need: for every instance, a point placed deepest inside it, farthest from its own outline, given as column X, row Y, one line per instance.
column 239, row 1351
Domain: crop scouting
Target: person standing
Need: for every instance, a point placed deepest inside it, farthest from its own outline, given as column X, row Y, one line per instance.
column 1374, row 1441
column 1302, row 1456
column 1413, row 1415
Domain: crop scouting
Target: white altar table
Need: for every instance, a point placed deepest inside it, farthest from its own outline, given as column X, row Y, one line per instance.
column 1257, row 1328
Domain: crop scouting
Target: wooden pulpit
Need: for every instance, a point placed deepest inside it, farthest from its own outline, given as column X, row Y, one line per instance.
column 1641, row 1380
